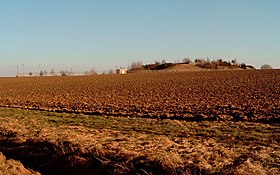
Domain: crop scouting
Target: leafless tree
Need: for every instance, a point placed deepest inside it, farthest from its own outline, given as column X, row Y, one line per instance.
column 266, row 66
column 187, row 60
column 234, row 61
column 110, row 71
column 52, row 72
column 41, row 73
column 63, row 73
column 157, row 62
column 136, row 65
column 92, row 71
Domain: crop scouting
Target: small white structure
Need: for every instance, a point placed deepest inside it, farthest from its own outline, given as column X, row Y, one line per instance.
column 121, row 71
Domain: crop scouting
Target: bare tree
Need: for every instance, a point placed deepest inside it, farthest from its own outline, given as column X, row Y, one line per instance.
column 266, row 66
column 234, row 61
column 63, row 73
column 41, row 74
column 187, row 60
column 157, row 62
column 208, row 60
column 136, row 65
column 52, row 72
column 110, row 71
column 199, row 60
column 92, row 71
column 243, row 66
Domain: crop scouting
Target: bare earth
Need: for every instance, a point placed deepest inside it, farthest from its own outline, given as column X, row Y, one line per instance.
column 194, row 96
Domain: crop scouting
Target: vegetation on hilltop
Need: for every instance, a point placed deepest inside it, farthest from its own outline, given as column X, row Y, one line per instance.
column 201, row 63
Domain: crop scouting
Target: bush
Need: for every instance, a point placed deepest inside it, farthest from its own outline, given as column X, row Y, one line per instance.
column 243, row 66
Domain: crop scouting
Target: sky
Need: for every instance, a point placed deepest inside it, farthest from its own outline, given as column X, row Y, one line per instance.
column 107, row 34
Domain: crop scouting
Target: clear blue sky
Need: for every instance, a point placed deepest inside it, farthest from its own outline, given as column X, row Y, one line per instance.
column 103, row 34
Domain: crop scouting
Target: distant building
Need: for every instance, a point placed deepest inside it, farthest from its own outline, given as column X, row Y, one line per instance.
column 121, row 71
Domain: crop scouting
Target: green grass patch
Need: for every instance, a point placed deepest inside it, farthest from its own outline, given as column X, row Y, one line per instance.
column 230, row 133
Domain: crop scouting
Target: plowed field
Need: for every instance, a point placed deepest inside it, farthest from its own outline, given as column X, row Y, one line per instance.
column 192, row 96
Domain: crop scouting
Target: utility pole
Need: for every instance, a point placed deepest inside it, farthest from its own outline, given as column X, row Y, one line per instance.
column 23, row 70
column 17, row 71
column 84, row 68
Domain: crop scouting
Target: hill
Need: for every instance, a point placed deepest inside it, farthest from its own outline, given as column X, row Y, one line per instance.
column 187, row 65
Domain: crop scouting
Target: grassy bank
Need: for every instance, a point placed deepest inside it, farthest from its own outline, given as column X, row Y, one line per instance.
column 59, row 143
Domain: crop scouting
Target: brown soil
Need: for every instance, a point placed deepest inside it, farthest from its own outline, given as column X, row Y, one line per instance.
column 192, row 96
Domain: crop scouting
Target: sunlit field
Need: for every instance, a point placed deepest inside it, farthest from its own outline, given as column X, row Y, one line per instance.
column 206, row 122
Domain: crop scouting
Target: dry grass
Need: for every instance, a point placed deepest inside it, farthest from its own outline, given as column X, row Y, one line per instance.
column 12, row 167
column 58, row 143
